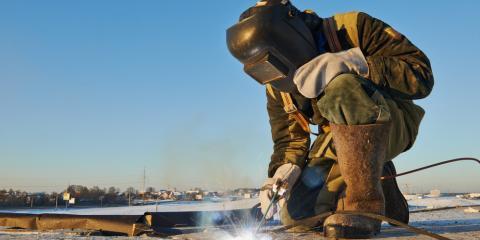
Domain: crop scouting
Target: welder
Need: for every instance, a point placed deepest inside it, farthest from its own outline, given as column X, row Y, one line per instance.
column 353, row 76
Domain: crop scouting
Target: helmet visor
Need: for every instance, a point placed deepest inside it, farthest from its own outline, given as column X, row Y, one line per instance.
column 267, row 69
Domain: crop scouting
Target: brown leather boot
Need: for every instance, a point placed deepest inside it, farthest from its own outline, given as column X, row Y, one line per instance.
column 396, row 206
column 361, row 153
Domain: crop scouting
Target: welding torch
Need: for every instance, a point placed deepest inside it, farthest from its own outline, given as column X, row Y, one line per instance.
column 278, row 191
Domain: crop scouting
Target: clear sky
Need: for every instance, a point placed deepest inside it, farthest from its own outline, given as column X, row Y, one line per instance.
column 91, row 92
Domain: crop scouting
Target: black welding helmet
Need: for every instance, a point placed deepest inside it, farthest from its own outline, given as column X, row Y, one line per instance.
column 272, row 41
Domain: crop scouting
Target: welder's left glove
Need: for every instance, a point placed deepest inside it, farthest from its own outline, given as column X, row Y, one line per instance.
column 282, row 181
column 312, row 78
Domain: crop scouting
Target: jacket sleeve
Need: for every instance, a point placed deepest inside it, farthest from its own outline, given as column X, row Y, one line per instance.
column 290, row 141
column 394, row 62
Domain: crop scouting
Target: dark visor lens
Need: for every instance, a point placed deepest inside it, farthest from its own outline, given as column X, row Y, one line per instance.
column 267, row 69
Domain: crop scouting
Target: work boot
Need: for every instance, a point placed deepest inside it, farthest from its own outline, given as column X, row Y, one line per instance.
column 396, row 206
column 361, row 151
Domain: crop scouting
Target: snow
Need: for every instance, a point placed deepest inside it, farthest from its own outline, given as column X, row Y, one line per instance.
column 440, row 202
column 451, row 223
column 471, row 210
column 140, row 210
column 414, row 202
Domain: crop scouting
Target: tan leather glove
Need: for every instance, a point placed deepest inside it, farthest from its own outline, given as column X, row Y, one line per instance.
column 287, row 174
column 312, row 78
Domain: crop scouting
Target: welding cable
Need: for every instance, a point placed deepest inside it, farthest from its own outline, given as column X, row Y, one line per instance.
column 431, row 166
column 319, row 218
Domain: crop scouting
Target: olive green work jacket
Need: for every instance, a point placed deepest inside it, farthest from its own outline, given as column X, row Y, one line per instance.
column 396, row 66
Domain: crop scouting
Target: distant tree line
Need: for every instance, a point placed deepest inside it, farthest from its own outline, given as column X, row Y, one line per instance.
column 112, row 196
column 84, row 196
column 16, row 198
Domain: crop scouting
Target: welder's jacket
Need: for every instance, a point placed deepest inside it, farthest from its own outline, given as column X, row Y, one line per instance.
column 395, row 66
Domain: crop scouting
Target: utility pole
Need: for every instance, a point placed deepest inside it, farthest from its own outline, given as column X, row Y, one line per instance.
column 144, row 179
column 66, row 201
column 407, row 188
column 143, row 183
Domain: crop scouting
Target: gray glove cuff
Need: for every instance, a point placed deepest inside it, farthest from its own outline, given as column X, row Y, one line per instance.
column 312, row 78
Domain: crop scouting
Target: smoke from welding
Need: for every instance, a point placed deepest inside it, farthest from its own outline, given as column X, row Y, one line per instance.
column 191, row 158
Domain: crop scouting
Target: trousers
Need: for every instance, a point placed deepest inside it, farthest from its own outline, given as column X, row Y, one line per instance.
column 349, row 99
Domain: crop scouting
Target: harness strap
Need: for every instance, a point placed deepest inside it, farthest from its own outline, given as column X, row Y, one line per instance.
column 291, row 109
column 330, row 31
column 270, row 91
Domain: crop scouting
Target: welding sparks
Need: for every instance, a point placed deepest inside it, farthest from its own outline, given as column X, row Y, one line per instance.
column 246, row 234
column 244, row 228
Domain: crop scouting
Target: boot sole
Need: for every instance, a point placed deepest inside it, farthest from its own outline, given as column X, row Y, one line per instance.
column 343, row 232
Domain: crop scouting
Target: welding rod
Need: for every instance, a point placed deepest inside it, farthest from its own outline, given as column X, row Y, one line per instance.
column 264, row 218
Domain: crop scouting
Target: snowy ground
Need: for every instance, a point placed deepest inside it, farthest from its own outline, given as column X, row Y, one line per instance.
column 438, row 202
column 451, row 223
column 140, row 210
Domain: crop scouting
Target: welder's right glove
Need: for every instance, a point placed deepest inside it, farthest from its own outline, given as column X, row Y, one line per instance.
column 282, row 181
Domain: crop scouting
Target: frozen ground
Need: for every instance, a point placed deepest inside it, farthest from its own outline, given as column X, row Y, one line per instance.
column 140, row 210
column 451, row 223
column 439, row 202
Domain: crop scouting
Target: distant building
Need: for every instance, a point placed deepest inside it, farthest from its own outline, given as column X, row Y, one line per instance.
column 435, row 193
column 473, row 196
column 243, row 192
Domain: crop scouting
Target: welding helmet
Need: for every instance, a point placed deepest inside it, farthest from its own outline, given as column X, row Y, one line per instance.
column 271, row 40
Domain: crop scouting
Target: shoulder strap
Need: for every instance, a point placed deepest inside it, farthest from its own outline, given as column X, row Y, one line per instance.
column 291, row 109
column 270, row 91
column 330, row 31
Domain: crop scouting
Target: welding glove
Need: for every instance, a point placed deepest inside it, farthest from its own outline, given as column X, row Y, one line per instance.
column 287, row 174
column 312, row 78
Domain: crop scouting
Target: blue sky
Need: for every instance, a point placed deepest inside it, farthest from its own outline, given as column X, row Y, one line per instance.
column 91, row 92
